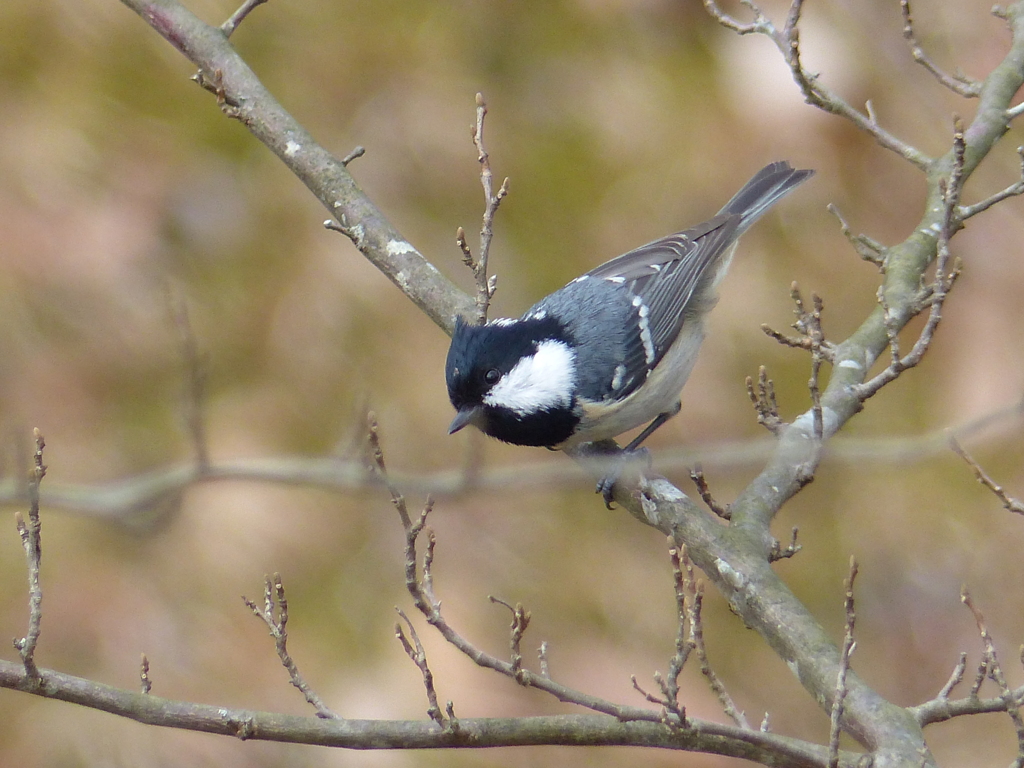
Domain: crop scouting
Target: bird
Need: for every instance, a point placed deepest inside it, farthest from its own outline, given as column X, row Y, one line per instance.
column 612, row 350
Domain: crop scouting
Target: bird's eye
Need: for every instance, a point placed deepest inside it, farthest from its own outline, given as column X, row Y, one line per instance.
column 492, row 376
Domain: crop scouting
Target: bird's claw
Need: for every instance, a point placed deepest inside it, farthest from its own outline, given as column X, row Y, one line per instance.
column 606, row 485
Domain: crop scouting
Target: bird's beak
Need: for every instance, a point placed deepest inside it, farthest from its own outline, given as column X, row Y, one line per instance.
column 467, row 415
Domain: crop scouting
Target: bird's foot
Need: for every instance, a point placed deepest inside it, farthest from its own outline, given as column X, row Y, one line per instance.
column 619, row 463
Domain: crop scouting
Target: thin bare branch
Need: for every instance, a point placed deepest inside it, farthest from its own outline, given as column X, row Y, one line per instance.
column 995, row 673
column 485, row 285
column 697, row 475
column 849, row 645
column 694, row 591
column 674, row 713
column 779, row 553
column 867, row 248
column 958, row 83
column 787, row 40
column 520, row 622
column 31, row 540
column 144, row 678
column 414, row 650
column 810, row 324
column 355, row 154
column 760, row 25
column 1009, row 502
column 955, row 678
column 138, row 501
column 274, row 614
column 812, row 339
column 764, row 402
column 1017, row 188
column 685, row 642
column 229, row 26
column 939, row 710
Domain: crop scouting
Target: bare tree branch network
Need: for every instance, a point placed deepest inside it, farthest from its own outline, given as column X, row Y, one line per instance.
column 938, row 156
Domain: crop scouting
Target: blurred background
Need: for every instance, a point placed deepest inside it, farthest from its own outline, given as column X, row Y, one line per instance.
column 122, row 184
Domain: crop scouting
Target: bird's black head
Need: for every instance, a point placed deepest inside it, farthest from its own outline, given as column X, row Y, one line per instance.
column 514, row 380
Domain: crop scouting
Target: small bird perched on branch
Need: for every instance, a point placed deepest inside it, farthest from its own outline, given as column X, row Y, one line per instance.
column 612, row 349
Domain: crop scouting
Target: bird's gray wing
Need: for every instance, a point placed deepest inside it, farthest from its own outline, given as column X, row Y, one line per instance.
column 667, row 277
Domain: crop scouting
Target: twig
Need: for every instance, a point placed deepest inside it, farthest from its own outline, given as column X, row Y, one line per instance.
column 32, row 543
column 229, row 26
column 980, row 676
column 274, row 614
column 520, row 621
column 764, row 402
column 697, row 475
column 213, row 81
column 144, row 679
column 995, row 673
column 812, row 338
column 778, row 553
column 811, row 325
column 414, row 650
column 674, row 713
column 940, row 710
column 959, row 83
column 685, row 642
column 955, row 678
column 1009, row 502
column 694, row 590
column 561, row 729
column 485, row 286
column 760, row 25
column 355, row 154
column 787, row 41
column 1015, row 189
column 421, row 590
column 795, row 342
column 849, row 645
column 866, row 247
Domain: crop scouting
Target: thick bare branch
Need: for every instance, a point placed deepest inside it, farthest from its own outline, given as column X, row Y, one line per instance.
column 240, row 93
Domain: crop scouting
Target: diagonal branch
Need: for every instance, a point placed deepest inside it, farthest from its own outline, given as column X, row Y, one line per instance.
column 240, row 93
column 1010, row 503
column 787, row 40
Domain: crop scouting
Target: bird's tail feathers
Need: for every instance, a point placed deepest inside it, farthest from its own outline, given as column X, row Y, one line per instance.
column 766, row 188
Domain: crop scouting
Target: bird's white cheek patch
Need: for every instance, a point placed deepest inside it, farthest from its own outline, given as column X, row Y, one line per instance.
column 540, row 382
